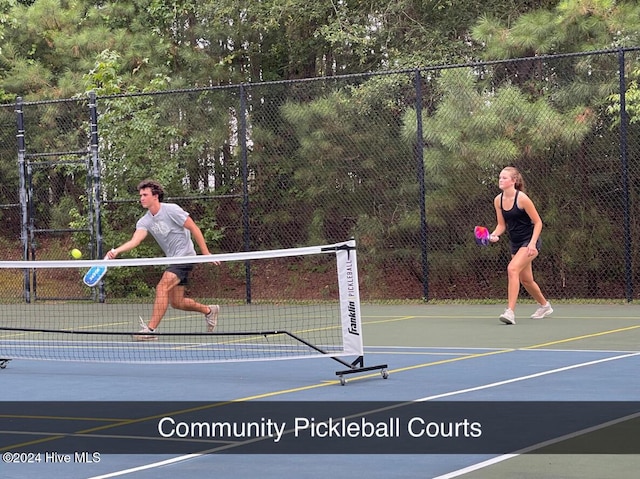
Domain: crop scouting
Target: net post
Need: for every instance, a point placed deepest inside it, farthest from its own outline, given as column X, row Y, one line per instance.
column 351, row 317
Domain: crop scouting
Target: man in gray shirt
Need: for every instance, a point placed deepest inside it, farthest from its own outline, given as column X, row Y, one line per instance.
column 173, row 229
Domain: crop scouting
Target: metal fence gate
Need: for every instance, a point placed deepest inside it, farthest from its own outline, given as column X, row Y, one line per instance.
column 45, row 182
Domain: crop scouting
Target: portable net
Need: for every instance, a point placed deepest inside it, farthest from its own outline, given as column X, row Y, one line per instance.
column 48, row 313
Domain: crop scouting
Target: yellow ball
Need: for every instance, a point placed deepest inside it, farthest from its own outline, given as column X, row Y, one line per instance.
column 76, row 253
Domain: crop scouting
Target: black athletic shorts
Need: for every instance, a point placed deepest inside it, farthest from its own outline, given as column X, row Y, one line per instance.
column 181, row 271
column 516, row 246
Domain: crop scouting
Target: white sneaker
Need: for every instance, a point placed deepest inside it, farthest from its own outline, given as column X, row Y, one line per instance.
column 212, row 317
column 543, row 311
column 508, row 317
column 144, row 333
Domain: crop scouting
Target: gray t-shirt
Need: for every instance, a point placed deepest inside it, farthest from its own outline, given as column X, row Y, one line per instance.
column 167, row 227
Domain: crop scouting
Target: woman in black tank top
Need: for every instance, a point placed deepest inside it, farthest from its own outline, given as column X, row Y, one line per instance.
column 519, row 225
column 517, row 215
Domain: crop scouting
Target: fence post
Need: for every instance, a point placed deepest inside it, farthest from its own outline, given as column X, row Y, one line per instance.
column 96, row 227
column 23, row 195
column 625, row 179
column 245, row 188
column 419, row 155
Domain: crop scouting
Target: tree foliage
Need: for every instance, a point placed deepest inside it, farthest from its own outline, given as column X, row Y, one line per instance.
column 312, row 144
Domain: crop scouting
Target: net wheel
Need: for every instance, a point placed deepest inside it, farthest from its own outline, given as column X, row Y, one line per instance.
column 343, row 381
column 385, row 374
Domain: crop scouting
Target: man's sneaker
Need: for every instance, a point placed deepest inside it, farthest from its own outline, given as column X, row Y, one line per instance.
column 508, row 317
column 543, row 311
column 212, row 317
column 144, row 333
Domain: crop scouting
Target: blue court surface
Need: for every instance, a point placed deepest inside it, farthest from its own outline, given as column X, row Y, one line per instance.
column 583, row 354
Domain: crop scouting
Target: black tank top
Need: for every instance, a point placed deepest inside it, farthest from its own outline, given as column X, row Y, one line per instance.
column 519, row 225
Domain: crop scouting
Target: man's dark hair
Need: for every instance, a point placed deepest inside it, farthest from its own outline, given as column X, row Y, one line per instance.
column 154, row 186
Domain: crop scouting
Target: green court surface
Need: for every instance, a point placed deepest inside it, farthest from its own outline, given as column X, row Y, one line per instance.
column 572, row 326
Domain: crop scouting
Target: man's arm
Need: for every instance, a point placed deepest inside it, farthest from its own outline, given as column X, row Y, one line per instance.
column 197, row 235
column 135, row 240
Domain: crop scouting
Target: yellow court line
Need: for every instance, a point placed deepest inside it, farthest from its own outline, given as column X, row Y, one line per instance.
column 170, row 413
column 124, row 422
column 446, row 361
column 65, row 418
column 584, row 336
column 393, row 320
column 535, row 346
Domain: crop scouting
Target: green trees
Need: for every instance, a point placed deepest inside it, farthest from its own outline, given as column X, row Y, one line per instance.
column 334, row 156
column 546, row 116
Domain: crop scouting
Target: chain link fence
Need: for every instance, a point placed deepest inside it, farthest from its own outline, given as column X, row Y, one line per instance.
column 405, row 161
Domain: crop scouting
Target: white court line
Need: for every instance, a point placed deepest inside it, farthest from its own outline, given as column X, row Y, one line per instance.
column 450, row 475
column 530, row 376
column 505, row 457
column 152, row 465
column 535, row 447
